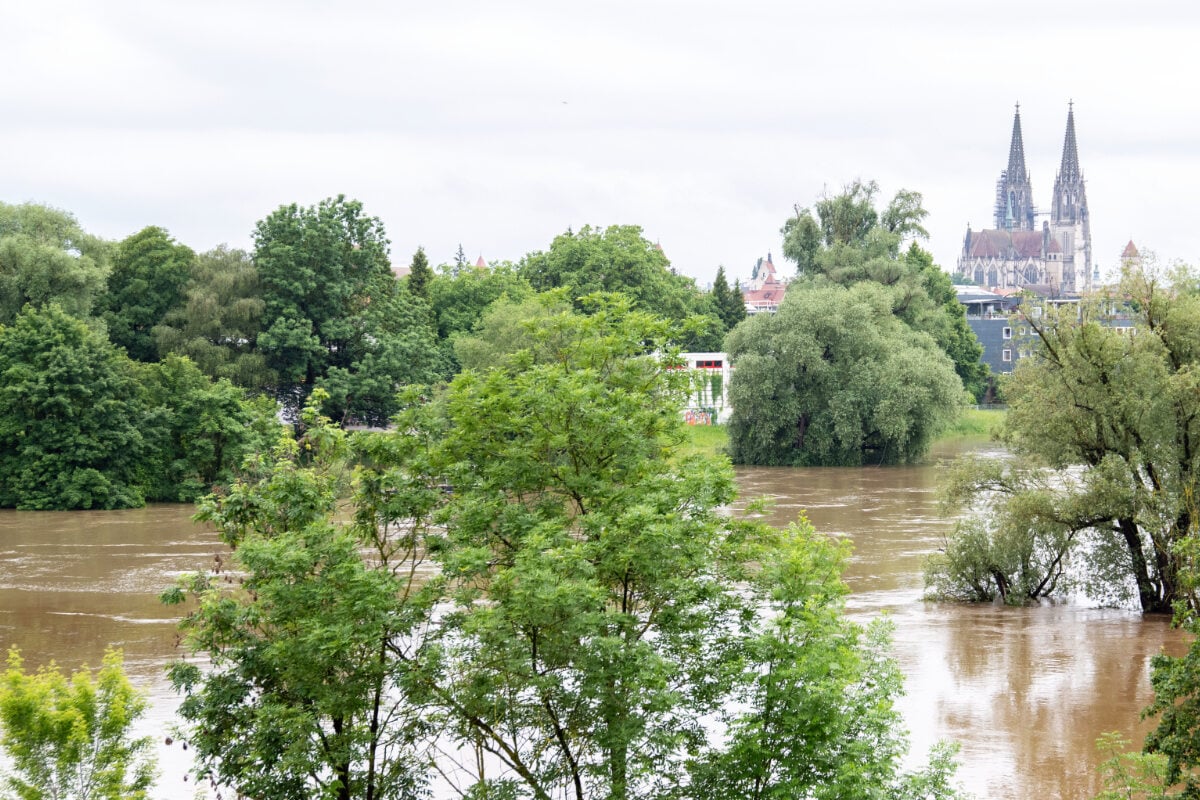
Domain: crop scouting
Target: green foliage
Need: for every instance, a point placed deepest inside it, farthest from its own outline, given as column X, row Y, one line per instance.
column 200, row 431
column 1112, row 418
column 394, row 346
column 509, row 327
column 45, row 257
column 728, row 302
column 303, row 697
column 616, row 259
column 70, row 410
column 852, row 243
column 1020, row 547
column 71, row 738
column 149, row 270
column 1130, row 776
column 591, row 624
column 419, row 275
column 460, row 298
column 320, row 270
column 834, row 378
column 218, row 324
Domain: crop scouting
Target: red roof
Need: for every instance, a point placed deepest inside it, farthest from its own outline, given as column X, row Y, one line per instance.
column 1130, row 251
column 480, row 263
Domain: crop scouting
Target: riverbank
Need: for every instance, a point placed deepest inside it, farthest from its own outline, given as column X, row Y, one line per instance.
column 974, row 422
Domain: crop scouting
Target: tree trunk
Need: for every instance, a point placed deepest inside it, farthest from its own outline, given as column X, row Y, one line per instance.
column 1148, row 595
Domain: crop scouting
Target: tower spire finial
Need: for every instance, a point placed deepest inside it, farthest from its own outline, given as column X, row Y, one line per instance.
column 1069, row 170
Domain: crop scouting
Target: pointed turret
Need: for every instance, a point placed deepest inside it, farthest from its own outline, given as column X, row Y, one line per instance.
column 1016, row 150
column 1014, row 192
column 1070, row 201
column 1069, row 212
column 1070, row 155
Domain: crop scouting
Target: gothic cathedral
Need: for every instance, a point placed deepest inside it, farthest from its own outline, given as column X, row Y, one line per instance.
column 1056, row 259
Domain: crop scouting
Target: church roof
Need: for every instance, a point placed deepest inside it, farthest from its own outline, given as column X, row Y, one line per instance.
column 1006, row 244
column 480, row 263
column 1130, row 251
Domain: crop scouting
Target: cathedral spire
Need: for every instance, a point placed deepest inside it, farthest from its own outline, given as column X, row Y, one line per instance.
column 1014, row 192
column 1016, row 151
column 1069, row 171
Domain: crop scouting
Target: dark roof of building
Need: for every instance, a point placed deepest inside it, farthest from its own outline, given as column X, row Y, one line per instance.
column 1006, row 244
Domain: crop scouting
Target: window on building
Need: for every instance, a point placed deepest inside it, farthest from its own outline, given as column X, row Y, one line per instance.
column 1006, row 354
column 1007, row 332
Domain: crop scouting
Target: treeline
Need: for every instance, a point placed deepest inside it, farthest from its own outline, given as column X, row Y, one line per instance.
column 140, row 370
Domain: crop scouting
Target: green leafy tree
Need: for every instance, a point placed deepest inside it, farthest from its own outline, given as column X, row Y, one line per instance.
column 616, row 259
column 45, row 257
column 70, row 414
column 303, row 697
column 835, row 378
column 218, row 324
column 593, row 624
column 849, row 242
column 320, row 268
column 419, row 274
column 509, row 327
column 200, row 431
column 149, row 270
column 394, row 346
column 1131, row 775
column 1110, row 419
column 71, row 738
column 601, row 604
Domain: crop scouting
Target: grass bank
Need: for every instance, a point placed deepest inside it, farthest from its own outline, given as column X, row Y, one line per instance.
column 974, row 422
column 706, row 439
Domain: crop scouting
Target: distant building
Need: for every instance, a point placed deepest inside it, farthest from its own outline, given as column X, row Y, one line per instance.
column 764, row 291
column 1017, row 252
column 708, row 402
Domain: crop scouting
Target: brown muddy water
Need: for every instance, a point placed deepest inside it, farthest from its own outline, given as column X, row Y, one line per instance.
column 1024, row 691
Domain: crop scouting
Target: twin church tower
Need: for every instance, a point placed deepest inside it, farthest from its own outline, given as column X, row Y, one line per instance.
column 1055, row 256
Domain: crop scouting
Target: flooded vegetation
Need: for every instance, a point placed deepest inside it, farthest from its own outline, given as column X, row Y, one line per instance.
column 1024, row 690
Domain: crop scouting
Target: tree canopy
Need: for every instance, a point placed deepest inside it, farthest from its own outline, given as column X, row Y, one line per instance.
column 540, row 592
column 849, row 241
column 835, row 378
column 70, row 408
column 1108, row 420
column 45, row 257
column 334, row 314
column 148, row 274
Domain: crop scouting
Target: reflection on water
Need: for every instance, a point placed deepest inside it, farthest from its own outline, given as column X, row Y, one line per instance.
column 1025, row 691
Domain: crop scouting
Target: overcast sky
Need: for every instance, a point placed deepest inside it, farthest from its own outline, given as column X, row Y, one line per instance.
column 498, row 125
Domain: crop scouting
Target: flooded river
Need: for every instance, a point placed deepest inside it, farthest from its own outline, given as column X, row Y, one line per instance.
column 1025, row 691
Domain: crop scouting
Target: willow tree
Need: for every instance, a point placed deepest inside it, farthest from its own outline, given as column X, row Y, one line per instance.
column 835, row 378
column 1109, row 415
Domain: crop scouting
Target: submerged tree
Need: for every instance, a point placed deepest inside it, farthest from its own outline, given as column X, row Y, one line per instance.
column 1111, row 419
